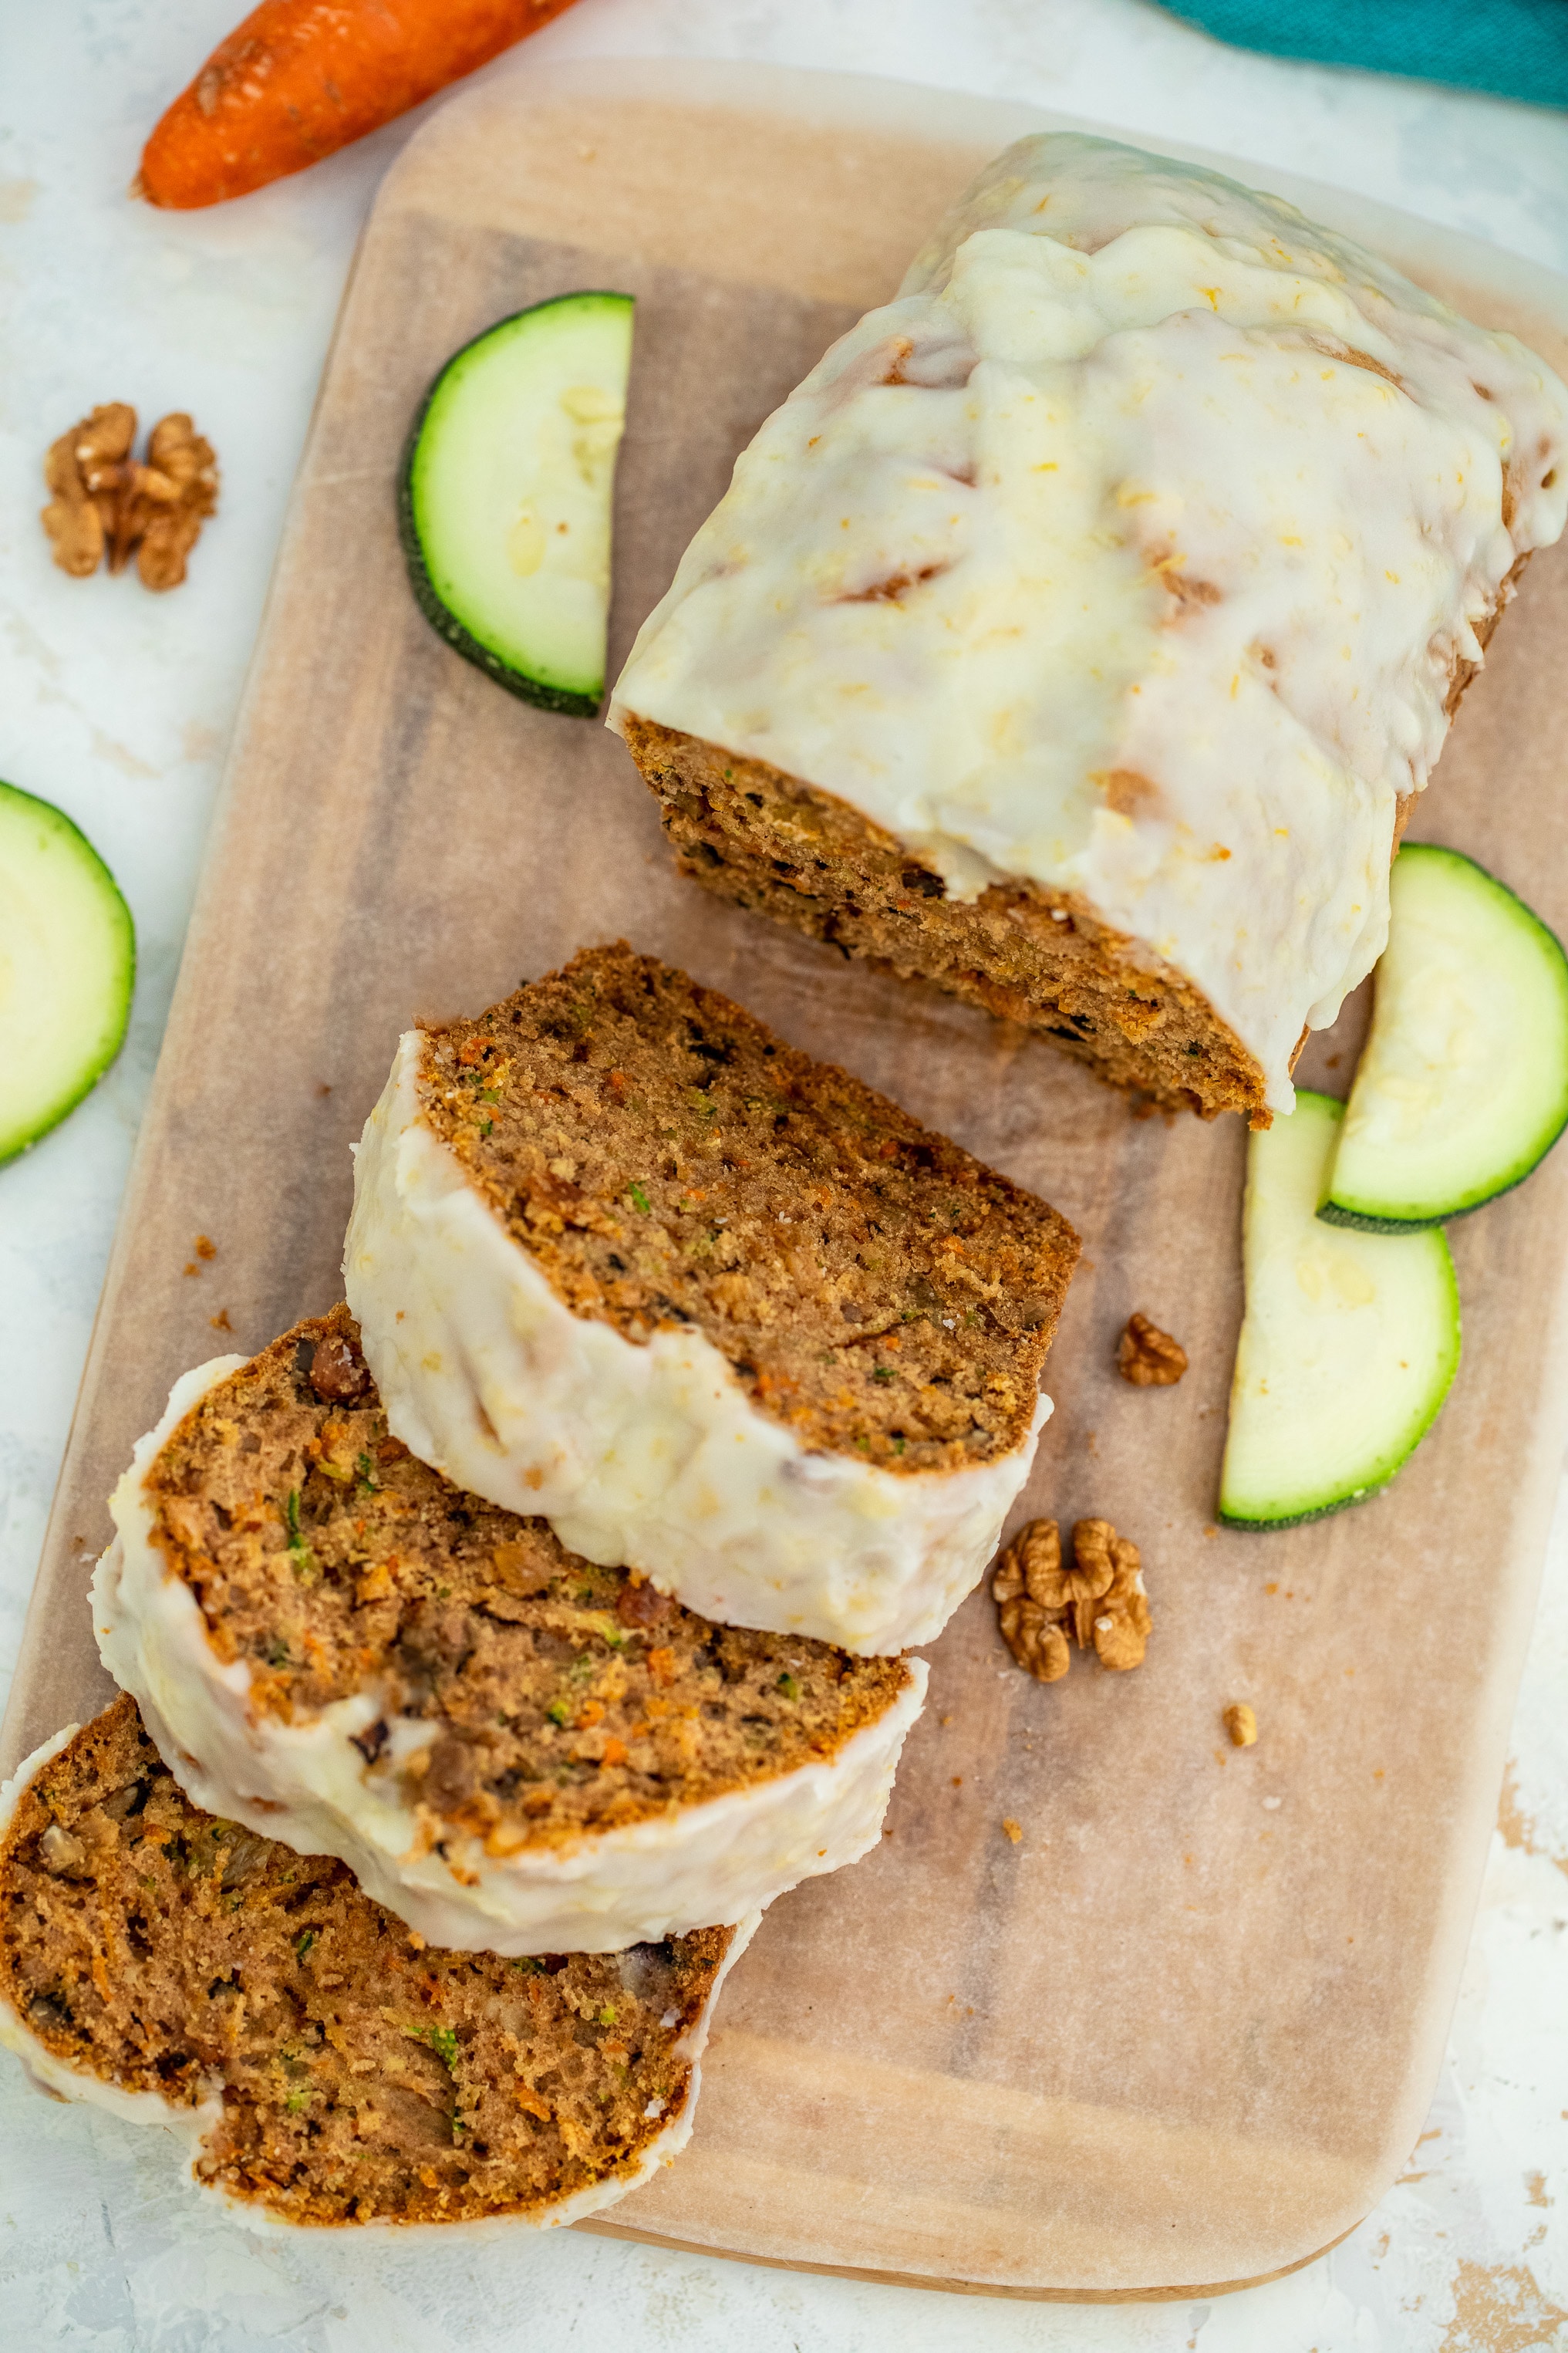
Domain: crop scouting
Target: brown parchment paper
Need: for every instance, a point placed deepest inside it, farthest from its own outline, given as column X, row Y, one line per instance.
column 1183, row 2032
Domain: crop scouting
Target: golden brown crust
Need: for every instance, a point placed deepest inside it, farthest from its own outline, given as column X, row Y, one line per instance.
column 1028, row 954
column 560, row 1697
column 363, row 2076
column 665, row 1159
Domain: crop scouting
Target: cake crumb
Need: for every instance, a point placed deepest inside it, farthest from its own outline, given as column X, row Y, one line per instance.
column 1148, row 1357
column 205, row 1246
column 1241, row 1723
column 1012, row 1829
column 220, row 1321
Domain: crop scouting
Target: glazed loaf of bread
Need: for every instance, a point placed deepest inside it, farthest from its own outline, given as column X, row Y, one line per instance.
column 1077, row 634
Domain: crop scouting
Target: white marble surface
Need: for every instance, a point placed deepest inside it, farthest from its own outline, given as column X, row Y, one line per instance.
column 118, row 706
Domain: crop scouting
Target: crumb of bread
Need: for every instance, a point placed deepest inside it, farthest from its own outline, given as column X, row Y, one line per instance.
column 1241, row 1723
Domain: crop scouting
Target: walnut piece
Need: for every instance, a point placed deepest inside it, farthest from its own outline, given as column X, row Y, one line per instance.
column 1099, row 1598
column 84, row 471
column 1241, row 1723
column 1149, row 1357
column 1119, row 1621
column 642, row 1603
column 1029, row 1571
column 338, row 1372
column 61, row 1852
column 104, row 499
column 173, row 495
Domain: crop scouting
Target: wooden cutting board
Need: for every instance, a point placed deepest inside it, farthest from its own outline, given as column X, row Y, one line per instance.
column 1181, row 2033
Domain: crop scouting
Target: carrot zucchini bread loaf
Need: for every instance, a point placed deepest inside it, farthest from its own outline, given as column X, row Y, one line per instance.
column 323, row 2064
column 621, row 1257
column 514, row 1749
column 1075, row 636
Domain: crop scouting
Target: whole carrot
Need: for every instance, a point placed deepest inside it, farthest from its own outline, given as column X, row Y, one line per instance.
column 300, row 78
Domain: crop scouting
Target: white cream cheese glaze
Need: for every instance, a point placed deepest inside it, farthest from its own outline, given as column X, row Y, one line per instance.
column 647, row 1453
column 1131, row 549
column 192, row 2126
column 305, row 1783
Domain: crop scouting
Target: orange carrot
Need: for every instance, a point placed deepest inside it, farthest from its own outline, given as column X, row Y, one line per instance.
column 301, row 77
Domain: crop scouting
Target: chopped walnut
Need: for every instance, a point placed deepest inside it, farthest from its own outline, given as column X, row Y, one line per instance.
column 338, row 1372
column 104, row 499
column 61, row 1852
column 1099, row 1598
column 1241, row 1723
column 1149, row 1357
column 642, row 1603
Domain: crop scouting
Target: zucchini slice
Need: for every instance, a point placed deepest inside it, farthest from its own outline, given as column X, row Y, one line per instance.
column 1348, row 1345
column 1462, row 1087
column 505, row 498
column 68, row 965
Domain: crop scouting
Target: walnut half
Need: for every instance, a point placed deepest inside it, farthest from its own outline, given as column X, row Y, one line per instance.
column 1149, row 1357
column 1099, row 1598
column 102, row 499
column 84, row 471
column 1027, row 1590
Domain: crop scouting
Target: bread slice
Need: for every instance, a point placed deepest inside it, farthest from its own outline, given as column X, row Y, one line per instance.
column 1077, row 633
column 513, row 1748
column 323, row 2064
column 622, row 1257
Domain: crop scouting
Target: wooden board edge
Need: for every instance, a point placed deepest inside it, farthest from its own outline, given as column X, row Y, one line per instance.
column 1499, row 287
column 944, row 2285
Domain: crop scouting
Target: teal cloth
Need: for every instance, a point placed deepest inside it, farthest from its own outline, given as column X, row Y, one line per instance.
column 1518, row 49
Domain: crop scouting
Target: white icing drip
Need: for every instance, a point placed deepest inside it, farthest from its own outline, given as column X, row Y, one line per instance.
column 192, row 2126
column 647, row 1453
column 306, row 1784
column 1094, row 558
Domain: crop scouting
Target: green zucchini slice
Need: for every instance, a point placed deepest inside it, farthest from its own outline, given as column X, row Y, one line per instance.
column 505, row 498
column 68, row 965
column 1463, row 1084
column 1348, row 1345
